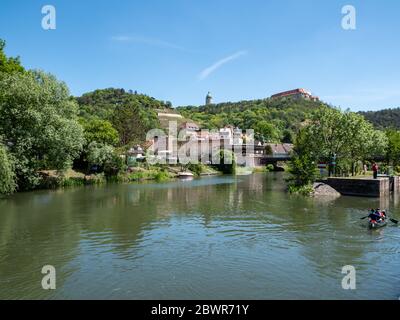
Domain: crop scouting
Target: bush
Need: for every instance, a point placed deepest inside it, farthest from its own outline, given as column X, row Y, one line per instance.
column 7, row 176
column 305, row 190
column 150, row 174
column 303, row 170
column 105, row 156
column 197, row 168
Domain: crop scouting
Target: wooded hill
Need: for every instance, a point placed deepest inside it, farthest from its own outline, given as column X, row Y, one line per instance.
column 273, row 120
column 384, row 119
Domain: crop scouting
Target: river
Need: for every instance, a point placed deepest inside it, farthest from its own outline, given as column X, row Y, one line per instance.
column 219, row 237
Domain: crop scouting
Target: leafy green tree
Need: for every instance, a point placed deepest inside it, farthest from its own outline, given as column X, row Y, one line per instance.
column 303, row 163
column 132, row 122
column 393, row 150
column 105, row 157
column 267, row 132
column 100, row 131
column 303, row 170
column 345, row 135
column 7, row 176
column 38, row 121
column 9, row 64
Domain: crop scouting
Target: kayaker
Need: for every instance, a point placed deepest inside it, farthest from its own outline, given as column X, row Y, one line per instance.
column 374, row 215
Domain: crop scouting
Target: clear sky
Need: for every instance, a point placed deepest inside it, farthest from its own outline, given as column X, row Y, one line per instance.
column 178, row 50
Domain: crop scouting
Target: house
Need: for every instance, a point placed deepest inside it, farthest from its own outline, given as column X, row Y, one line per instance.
column 279, row 150
column 189, row 126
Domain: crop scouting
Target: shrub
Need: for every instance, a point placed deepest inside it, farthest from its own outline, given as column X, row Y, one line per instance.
column 304, row 190
column 7, row 176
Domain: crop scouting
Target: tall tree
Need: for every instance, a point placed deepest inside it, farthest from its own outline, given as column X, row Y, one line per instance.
column 38, row 121
column 132, row 122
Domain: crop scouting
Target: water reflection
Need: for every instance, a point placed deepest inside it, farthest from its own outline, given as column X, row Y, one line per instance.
column 220, row 237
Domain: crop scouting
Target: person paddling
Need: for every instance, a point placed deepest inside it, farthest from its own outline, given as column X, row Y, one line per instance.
column 374, row 215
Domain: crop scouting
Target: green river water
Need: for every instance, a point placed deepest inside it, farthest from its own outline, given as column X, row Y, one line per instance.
column 220, row 237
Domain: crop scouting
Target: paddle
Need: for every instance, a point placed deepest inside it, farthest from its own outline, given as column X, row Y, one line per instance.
column 365, row 217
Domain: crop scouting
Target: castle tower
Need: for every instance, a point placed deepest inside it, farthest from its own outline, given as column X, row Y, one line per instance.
column 208, row 99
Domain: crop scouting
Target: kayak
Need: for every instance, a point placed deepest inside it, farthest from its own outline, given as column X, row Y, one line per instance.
column 372, row 224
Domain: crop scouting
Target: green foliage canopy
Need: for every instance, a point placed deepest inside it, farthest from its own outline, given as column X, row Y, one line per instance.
column 100, row 131
column 345, row 135
column 38, row 121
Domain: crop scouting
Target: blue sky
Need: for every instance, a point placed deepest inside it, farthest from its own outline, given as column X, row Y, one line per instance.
column 178, row 50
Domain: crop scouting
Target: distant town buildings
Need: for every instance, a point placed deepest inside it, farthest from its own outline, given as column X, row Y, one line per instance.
column 208, row 99
column 296, row 94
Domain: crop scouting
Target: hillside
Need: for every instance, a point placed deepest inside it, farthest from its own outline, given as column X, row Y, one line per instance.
column 130, row 113
column 273, row 120
column 384, row 119
column 102, row 103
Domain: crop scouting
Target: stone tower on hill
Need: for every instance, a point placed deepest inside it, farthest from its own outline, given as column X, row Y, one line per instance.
column 208, row 99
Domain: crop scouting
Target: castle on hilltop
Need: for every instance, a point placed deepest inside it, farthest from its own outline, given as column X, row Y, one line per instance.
column 297, row 94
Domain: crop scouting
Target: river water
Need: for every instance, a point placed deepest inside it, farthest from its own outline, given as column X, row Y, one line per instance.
column 211, row 238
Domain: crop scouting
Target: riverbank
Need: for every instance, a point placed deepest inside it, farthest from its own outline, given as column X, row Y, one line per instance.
column 53, row 179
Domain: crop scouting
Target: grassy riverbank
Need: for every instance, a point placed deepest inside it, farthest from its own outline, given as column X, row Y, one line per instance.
column 52, row 179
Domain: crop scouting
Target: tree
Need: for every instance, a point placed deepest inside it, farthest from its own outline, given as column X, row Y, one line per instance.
column 303, row 163
column 132, row 122
column 7, row 176
column 9, row 65
column 267, row 131
column 104, row 156
column 38, row 120
column 344, row 135
column 393, row 150
column 100, row 131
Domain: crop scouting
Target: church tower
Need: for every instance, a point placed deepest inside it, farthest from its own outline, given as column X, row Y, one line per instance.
column 208, row 99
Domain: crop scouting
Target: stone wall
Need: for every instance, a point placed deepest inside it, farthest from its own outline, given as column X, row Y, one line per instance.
column 364, row 187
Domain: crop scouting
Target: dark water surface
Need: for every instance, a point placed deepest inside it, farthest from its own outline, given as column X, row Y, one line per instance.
column 213, row 238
